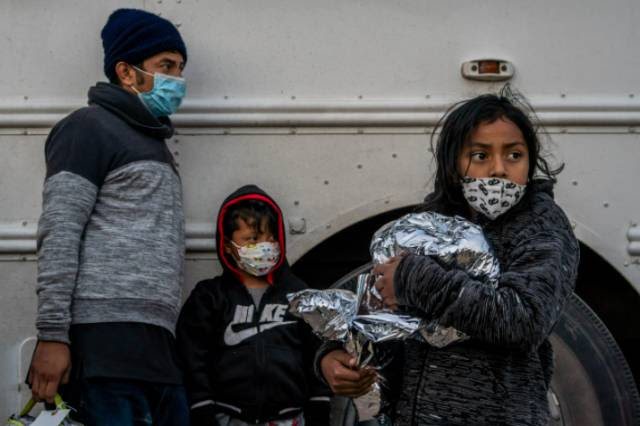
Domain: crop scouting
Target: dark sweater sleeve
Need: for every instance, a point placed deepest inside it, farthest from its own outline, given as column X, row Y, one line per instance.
column 74, row 159
column 520, row 312
column 194, row 334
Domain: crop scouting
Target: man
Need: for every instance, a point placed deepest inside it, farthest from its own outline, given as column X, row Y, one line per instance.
column 111, row 237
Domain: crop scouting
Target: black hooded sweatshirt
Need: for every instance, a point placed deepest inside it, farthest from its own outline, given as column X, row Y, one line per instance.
column 250, row 362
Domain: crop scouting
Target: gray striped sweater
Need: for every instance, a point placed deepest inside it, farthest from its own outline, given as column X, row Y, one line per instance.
column 501, row 376
column 111, row 233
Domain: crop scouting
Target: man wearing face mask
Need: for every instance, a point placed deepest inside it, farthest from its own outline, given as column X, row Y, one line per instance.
column 111, row 237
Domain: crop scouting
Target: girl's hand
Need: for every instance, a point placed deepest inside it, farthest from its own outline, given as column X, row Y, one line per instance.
column 384, row 284
column 344, row 378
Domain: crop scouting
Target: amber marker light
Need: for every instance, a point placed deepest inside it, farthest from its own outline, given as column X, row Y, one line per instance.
column 488, row 67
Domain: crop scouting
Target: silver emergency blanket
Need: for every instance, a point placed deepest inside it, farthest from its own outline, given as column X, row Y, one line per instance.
column 336, row 314
column 360, row 319
column 341, row 315
column 452, row 240
column 328, row 312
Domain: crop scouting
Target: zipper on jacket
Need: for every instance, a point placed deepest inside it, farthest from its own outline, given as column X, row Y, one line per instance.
column 257, row 313
column 260, row 353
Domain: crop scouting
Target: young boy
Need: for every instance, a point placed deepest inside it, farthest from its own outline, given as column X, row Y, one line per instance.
column 246, row 359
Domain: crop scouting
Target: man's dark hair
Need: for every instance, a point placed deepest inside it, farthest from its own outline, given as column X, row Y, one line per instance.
column 254, row 213
column 456, row 127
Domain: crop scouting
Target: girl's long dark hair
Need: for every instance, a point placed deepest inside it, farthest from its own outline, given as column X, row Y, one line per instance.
column 456, row 127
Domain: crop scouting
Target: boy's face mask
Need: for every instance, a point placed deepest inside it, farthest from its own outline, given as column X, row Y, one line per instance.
column 166, row 95
column 491, row 196
column 258, row 259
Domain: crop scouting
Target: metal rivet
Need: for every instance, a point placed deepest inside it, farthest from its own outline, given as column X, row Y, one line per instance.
column 25, row 132
column 427, row 96
column 605, row 204
column 176, row 153
column 225, row 132
column 474, row 68
column 226, row 97
column 326, row 182
column 178, row 1
column 563, row 95
column 25, row 223
column 503, row 68
column 359, row 166
column 394, row 155
column 574, row 183
column 328, row 227
column 359, row 96
column 26, row 98
column 360, row 131
column 159, row 1
column 626, row 264
column 178, row 24
column 386, row 201
column 632, row 129
column 631, row 95
column 177, row 141
column 296, row 203
column 293, row 98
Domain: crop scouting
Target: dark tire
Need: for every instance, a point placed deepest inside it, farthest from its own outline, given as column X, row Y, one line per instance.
column 592, row 380
column 592, row 384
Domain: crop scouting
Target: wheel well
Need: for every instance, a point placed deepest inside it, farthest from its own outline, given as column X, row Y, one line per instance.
column 603, row 288
column 614, row 300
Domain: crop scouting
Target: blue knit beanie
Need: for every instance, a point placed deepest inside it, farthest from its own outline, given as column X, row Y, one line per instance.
column 133, row 35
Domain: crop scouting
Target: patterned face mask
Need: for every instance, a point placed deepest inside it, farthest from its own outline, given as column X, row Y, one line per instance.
column 258, row 259
column 491, row 196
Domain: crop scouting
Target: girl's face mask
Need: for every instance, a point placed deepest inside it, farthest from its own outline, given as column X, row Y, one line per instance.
column 166, row 95
column 491, row 196
column 258, row 259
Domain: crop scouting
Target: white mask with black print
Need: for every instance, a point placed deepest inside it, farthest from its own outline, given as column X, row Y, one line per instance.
column 491, row 196
column 258, row 259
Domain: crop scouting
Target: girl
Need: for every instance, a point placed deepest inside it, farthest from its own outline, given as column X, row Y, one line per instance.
column 489, row 170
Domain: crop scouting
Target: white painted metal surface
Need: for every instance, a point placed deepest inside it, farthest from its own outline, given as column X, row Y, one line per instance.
column 328, row 106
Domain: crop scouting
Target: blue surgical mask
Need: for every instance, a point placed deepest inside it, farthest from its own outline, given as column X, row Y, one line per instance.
column 166, row 95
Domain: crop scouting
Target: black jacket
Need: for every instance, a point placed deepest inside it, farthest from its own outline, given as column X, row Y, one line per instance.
column 251, row 362
column 501, row 375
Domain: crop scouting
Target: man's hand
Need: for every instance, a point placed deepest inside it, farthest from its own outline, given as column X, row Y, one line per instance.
column 344, row 378
column 50, row 366
column 384, row 284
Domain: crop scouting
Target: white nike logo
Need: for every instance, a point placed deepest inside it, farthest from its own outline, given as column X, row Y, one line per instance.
column 232, row 338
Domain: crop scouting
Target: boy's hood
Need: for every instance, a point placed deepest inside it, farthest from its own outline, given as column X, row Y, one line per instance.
column 245, row 193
